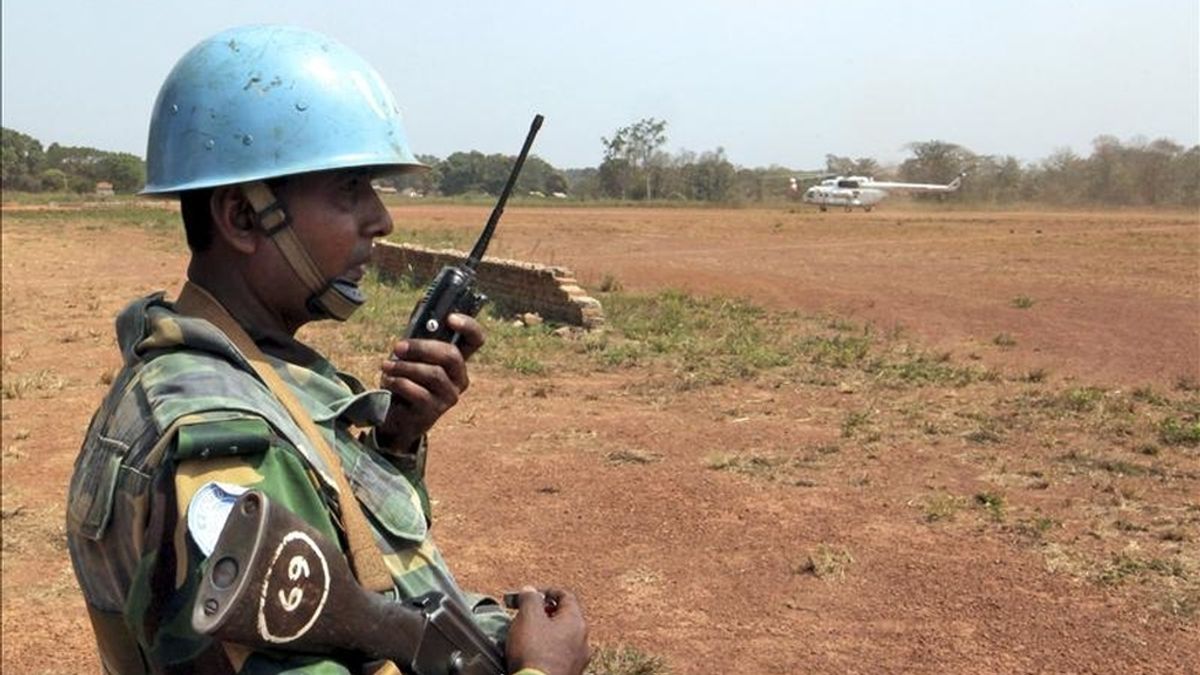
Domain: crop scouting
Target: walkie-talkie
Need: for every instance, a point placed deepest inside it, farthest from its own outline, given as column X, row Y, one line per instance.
column 453, row 289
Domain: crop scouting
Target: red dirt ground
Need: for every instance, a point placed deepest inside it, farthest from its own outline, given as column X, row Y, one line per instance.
column 704, row 567
column 1116, row 294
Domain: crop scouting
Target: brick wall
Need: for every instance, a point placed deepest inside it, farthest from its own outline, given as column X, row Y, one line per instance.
column 513, row 286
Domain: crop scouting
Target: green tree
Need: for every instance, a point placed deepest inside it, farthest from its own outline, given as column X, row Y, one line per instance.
column 126, row 172
column 54, row 180
column 1185, row 175
column 711, row 177
column 82, row 184
column 584, row 182
column 935, row 162
column 1110, row 180
column 474, row 171
column 614, row 177
column 1008, row 180
column 21, row 160
column 751, row 184
column 671, row 178
column 842, row 166
column 865, row 166
column 462, row 172
column 1060, row 178
column 556, row 182
column 1154, row 175
column 425, row 181
column 75, row 160
column 26, row 166
column 638, row 145
column 540, row 175
column 494, row 173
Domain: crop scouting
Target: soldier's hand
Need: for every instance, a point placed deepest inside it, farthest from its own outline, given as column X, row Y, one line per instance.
column 552, row 640
column 426, row 377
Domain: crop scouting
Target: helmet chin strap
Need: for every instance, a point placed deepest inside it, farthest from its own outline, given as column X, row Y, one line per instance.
column 333, row 298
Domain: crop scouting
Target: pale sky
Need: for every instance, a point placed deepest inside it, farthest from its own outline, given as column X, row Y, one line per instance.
column 772, row 82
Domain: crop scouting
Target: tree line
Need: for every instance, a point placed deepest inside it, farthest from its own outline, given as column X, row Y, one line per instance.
column 1131, row 173
column 635, row 167
column 474, row 173
column 28, row 167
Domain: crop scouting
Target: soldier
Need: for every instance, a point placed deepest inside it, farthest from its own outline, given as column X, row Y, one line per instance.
column 269, row 136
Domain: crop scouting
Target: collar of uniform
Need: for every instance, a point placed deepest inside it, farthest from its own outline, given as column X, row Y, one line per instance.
column 287, row 348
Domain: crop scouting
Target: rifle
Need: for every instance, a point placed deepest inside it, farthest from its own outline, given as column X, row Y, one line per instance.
column 453, row 289
column 275, row 582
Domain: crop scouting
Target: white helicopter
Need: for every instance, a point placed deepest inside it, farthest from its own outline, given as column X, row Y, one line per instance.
column 862, row 191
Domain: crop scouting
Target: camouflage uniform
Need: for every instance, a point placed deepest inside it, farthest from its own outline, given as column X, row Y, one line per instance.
column 185, row 410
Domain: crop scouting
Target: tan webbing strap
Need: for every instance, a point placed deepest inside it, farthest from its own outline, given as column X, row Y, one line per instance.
column 273, row 220
column 267, row 209
column 365, row 557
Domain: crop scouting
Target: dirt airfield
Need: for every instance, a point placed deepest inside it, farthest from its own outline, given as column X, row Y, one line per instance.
column 1043, row 519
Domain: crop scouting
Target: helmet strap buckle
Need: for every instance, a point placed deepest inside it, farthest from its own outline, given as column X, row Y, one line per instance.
column 331, row 298
column 268, row 210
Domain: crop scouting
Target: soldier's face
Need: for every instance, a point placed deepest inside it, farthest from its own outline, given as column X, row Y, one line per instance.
column 337, row 215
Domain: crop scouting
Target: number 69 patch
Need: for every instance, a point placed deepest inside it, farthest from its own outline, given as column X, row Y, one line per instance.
column 294, row 591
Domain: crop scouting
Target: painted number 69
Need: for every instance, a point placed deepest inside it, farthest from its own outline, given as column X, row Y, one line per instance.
column 297, row 567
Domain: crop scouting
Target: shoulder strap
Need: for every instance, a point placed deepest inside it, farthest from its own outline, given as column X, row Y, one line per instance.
column 365, row 558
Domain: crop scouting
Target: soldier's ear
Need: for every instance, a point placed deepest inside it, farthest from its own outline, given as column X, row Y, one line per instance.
column 233, row 219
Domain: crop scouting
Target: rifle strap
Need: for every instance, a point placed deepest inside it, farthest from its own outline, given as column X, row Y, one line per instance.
column 365, row 557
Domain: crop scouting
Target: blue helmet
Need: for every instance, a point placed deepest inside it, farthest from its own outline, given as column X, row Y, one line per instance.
column 258, row 102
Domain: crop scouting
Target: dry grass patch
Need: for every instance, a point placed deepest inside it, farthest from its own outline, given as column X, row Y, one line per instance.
column 773, row 468
column 631, row 456
column 942, row 506
column 827, row 562
column 625, row 660
column 38, row 383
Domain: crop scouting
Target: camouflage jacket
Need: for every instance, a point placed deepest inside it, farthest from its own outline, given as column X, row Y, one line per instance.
column 186, row 411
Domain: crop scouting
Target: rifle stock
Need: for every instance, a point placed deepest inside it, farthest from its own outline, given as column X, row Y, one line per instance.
column 274, row 582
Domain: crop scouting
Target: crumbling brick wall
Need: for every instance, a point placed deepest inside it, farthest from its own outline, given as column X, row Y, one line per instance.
column 514, row 286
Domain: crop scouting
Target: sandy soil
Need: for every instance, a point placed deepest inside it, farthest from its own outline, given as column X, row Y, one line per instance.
column 707, row 568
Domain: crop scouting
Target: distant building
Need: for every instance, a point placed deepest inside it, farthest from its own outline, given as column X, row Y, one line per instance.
column 104, row 189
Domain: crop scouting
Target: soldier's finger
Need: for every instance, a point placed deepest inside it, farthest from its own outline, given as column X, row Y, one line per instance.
column 470, row 333
column 399, row 349
column 438, row 353
column 431, row 377
column 532, row 601
column 417, row 397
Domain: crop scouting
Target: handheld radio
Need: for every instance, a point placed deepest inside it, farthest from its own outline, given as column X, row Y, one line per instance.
column 453, row 289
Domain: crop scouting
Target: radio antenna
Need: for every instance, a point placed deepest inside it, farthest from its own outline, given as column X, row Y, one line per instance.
column 485, row 238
